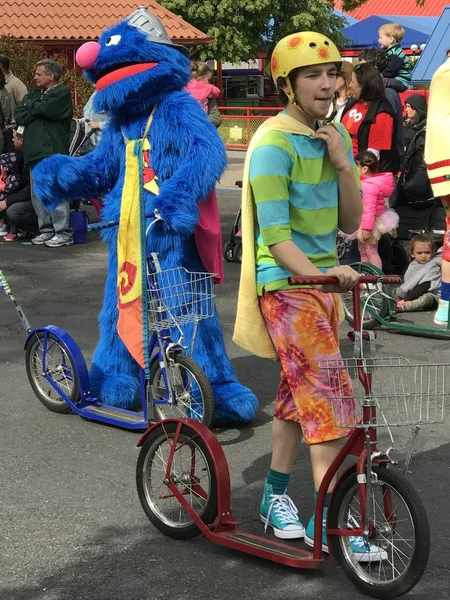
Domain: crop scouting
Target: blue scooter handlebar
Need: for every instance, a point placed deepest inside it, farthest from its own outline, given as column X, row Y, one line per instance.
column 107, row 224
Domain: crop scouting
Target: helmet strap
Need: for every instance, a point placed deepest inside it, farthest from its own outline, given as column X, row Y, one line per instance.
column 291, row 95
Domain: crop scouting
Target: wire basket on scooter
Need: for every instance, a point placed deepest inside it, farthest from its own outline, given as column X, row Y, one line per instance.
column 177, row 296
column 403, row 393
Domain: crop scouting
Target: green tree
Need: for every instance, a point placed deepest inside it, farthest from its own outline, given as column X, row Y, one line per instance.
column 242, row 27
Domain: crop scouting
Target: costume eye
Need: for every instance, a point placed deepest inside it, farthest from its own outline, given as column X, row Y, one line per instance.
column 113, row 40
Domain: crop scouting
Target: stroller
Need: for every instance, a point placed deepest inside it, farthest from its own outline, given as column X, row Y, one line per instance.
column 232, row 250
column 79, row 146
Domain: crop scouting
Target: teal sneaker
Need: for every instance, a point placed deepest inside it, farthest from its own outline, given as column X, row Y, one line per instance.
column 309, row 535
column 441, row 315
column 280, row 513
column 362, row 551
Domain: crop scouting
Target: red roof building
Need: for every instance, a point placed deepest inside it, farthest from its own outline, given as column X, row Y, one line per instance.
column 61, row 26
column 410, row 8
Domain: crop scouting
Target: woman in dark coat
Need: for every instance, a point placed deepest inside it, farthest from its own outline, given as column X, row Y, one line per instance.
column 414, row 187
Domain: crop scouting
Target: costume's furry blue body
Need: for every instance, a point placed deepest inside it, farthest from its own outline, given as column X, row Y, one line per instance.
column 188, row 157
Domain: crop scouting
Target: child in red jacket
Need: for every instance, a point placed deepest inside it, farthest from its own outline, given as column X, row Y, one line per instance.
column 377, row 218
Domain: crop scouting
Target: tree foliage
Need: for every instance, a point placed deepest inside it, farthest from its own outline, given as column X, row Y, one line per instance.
column 242, row 27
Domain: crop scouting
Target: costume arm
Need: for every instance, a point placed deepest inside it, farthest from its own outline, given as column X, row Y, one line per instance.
column 62, row 178
column 181, row 126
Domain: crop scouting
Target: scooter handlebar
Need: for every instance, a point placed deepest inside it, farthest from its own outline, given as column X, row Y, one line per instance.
column 107, row 224
column 329, row 280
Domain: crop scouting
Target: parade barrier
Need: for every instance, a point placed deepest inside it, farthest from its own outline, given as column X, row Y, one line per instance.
column 239, row 123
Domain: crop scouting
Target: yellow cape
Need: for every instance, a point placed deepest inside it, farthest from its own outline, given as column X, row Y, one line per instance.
column 437, row 150
column 250, row 331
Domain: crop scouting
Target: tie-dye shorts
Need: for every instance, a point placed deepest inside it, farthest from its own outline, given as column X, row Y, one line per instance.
column 304, row 327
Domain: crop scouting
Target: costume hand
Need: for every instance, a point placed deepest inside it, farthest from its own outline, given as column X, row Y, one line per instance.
column 46, row 182
column 3, row 206
column 178, row 215
column 347, row 277
column 335, row 144
column 366, row 235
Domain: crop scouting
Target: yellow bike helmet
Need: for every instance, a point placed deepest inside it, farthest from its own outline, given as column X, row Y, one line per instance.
column 302, row 49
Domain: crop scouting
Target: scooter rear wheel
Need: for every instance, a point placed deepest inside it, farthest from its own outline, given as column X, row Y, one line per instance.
column 192, row 471
column 58, row 367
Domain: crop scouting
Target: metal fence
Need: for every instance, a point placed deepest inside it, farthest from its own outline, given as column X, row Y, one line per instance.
column 239, row 123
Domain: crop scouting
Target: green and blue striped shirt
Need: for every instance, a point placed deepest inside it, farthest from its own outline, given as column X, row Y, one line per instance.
column 404, row 74
column 295, row 189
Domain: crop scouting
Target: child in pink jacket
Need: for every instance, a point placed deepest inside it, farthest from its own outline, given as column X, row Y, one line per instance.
column 377, row 218
column 199, row 85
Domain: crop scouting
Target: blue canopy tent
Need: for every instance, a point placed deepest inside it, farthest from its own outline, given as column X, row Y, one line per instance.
column 434, row 54
column 364, row 34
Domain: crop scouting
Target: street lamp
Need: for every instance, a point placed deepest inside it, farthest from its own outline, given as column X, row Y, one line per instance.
column 415, row 49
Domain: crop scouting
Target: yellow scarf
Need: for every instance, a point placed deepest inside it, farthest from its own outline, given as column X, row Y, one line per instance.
column 131, row 273
column 250, row 331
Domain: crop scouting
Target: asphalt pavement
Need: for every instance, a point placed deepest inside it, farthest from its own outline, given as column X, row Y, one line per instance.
column 72, row 527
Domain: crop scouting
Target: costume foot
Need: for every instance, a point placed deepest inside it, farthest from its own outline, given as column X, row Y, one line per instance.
column 235, row 403
column 115, row 389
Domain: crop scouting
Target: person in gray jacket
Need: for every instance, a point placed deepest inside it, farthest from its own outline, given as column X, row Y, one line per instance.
column 421, row 287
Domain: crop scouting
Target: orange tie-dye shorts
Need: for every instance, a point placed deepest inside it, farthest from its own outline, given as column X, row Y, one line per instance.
column 304, row 327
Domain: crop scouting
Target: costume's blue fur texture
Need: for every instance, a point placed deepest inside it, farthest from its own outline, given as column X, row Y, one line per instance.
column 188, row 157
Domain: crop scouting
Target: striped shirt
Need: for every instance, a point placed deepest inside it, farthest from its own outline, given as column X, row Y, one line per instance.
column 404, row 73
column 295, row 188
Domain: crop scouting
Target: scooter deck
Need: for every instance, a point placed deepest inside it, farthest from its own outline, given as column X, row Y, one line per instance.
column 267, row 548
column 114, row 416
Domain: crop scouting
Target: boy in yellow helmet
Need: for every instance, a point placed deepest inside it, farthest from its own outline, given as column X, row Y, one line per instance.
column 300, row 183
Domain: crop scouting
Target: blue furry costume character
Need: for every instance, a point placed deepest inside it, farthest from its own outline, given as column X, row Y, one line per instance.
column 136, row 67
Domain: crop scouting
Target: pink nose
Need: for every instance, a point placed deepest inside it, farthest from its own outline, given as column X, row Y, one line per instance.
column 87, row 55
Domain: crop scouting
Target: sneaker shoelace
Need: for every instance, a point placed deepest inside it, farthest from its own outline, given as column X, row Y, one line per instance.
column 283, row 508
column 358, row 542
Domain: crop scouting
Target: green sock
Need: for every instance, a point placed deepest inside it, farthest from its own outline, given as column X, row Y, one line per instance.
column 278, row 481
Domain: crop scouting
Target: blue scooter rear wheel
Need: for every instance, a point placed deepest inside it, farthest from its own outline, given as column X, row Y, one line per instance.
column 58, row 367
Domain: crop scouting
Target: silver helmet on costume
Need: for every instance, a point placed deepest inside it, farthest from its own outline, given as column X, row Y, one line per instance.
column 149, row 24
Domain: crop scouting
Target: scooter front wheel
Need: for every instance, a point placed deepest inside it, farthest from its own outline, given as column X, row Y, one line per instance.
column 192, row 396
column 393, row 558
column 192, row 471
column 47, row 358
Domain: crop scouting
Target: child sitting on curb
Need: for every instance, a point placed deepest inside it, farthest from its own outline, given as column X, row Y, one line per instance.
column 422, row 281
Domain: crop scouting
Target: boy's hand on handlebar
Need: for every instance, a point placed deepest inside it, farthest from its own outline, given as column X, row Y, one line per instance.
column 346, row 276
